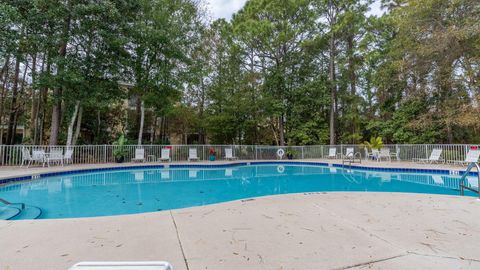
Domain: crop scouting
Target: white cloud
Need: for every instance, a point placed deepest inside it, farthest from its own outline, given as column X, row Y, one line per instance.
column 375, row 9
column 224, row 8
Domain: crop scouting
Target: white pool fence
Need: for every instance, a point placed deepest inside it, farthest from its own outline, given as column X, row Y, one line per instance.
column 11, row 155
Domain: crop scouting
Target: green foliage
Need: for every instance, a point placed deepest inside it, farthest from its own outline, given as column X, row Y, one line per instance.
column 374, row 143
column 120, row 150
column 280, row 72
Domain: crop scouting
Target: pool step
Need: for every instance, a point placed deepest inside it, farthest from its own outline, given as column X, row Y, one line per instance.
column 8, row 212
column 18, row 211
column 29, row 212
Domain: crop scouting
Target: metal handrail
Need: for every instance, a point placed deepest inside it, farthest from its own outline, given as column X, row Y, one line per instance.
column 5, row 201
column 9, row 203
column 465, row 174
column 351, row 158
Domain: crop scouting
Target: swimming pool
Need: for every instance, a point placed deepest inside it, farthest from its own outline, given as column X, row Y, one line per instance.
column 128, row 191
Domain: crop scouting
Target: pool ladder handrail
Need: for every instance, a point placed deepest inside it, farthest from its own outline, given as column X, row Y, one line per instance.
column 9, row 203
column 352, row 159
column 465, row 174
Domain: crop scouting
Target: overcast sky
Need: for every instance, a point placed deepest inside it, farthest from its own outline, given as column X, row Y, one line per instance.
column 225, row 8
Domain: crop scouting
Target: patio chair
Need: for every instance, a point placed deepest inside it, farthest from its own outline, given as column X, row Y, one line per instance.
column 154, row 265
column 165, row 155
column 351, row 156
column 55, row 156
column 349, row 152
column 369, row 155
column 435, row 157
column 384, row 154
column 332, row 152
column 396, row 155
column 229, row 154
column 39, row 156
column 139, row 155
column 68, row 157
column 192, row 154
column 26, row 157
column 472, row 156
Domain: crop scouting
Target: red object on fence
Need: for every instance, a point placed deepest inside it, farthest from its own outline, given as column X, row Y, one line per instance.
column 473, row 147
column 168, row 147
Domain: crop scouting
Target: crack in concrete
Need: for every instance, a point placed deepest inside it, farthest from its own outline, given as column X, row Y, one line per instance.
column 371, row 262
column 179, row 241
column 444, row 256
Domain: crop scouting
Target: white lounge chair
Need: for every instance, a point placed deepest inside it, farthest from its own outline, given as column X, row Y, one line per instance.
column 350, row 155
column 156, row 265
column 68, row 157
column 472, row 156
column 165, row 155
column 192, row 154
column 229, row 154
column 55, row 156
column 396, row 155
column 349, row 152
column 384, row 154
column 332, row 152
column 26, row 157
column 38, row 156
column 369, row 155
column 435, row 157
column 139, row 155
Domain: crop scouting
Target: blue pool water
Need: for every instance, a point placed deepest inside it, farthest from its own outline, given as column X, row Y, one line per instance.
column 130, row 191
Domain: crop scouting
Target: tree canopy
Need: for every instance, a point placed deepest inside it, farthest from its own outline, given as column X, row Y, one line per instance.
column 294, row 72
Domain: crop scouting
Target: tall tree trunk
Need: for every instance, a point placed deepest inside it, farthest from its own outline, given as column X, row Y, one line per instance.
column 57, row 91
column 281, row 130
column 33, row 112
column 333, row 91
column 152, row 129
column 55, row 125
column 72, row 123
column 99, row 124
column 2, row 95
column 353, row 86
column 42, row 108
column 332, row 17
column 79, row 126
column 13, row 104
column 142, row 120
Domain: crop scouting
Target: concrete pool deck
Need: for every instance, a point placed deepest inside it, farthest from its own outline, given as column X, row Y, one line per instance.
column 336, row 230
column 296, row 231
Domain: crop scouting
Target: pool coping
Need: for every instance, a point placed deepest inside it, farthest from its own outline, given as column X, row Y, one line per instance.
column 35, row 176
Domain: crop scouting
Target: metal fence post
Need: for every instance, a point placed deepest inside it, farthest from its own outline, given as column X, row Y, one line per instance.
column 105, row 152
column 302, row 151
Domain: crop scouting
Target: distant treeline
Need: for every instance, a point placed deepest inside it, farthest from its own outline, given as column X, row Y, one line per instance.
column 280, row 72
